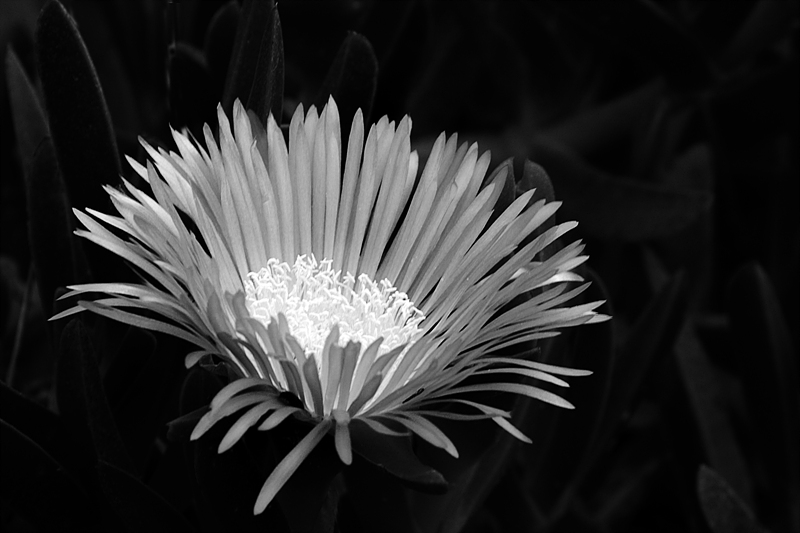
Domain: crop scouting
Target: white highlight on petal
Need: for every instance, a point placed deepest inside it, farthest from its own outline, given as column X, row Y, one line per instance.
column 314, row 298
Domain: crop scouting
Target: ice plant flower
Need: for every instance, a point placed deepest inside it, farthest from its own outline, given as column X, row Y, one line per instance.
column 367, row 292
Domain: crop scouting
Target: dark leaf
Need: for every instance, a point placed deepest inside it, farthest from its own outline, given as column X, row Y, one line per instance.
column 651, row 32
column 617, row 209
column 79, row 120
column 192, row 103
column 224, row 486
column 41, row 425
column 655, row 140
column 28, row 417
column 199, row 388
column 80, row 125
column 512, row 506
column 465, row 72
column 722, row 508
column 223, row 370
column 266, row 94
column 770, row 113
column 768, row 371
column 394, row 454
column 534, row 177
column 629, row 490
column 30, row 123
column 255, row 73
column 227, row 484
column 384, row 24
column 135, row 349
column 375, row 500
column 327, row 520
column 142, row 383
column 181, row 428
column 351, row 80
column 40, row 489
column 82, row 399
column 137, row 505
column 590, row 131
column 218, row 44
column 766, row 23
column 56, row 253
column 142, row 52
column 102, row 41
column 172, row 480
column 706, row 386
column 484, row 450
column 755, row 132
column 652, row 337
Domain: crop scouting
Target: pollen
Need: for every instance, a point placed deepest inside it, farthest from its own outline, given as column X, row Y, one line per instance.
column 314, row 298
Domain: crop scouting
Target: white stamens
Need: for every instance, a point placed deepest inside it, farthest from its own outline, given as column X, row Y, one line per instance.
column 314, row 298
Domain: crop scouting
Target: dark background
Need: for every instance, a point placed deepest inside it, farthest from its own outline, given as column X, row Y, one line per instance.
column 669, row 130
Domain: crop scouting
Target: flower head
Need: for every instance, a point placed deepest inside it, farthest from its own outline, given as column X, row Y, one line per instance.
column 366, row 291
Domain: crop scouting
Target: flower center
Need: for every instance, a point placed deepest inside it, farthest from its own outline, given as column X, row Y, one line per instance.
column 314, row 298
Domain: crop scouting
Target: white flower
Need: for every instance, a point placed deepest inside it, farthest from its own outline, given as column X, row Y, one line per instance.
column 368, row 292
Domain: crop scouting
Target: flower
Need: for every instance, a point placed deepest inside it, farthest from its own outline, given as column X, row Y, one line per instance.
column 367, row 292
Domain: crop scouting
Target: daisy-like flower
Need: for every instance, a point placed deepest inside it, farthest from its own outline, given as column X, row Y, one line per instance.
column 367, row 292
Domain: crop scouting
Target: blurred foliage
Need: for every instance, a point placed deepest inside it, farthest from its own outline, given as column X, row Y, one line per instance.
column 669, row 129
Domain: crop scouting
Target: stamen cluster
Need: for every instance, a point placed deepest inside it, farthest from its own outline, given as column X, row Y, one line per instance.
column 314, row 298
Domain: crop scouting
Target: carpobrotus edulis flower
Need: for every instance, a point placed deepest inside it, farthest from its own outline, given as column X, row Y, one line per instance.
column 366, row 291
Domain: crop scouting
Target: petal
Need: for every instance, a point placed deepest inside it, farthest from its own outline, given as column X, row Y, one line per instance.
column 428, row 431
column 342, row 436
column 516, row 388
column 244, row 423
column 508, row 426
column 277, row 417
column 281, row 474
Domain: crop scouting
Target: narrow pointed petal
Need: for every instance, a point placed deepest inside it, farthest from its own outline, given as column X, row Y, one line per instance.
column 428, row 431
column 281, row 474
column 244, row 423
column 508, row 426
column 342, row 436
